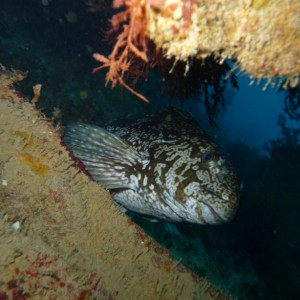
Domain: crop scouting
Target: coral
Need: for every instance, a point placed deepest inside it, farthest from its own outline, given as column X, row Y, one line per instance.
column 262, row 36
column 205, row 81
column 126, row 48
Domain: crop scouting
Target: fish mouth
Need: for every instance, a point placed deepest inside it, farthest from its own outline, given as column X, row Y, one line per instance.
column 212, row 215
column 222, row 210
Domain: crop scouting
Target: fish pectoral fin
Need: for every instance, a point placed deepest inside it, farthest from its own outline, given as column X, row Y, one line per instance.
column 107, row 158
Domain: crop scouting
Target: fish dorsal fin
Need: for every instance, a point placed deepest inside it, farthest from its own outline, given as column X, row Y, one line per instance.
column 109, row 160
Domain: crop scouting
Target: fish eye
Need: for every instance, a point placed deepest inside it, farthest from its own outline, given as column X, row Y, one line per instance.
column 208, row 157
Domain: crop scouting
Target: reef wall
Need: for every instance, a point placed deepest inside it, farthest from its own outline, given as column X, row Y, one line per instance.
column 61, row 235
column 262, row 36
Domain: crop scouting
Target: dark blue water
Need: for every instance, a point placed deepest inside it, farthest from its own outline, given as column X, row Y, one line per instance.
column 254, row 257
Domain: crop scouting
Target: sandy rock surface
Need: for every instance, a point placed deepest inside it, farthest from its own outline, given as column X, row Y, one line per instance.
column 61, row 235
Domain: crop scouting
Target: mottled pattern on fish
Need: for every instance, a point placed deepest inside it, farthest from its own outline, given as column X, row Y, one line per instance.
column 162, row 165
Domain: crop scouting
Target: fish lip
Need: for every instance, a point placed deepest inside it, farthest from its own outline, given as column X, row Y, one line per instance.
column 227, row 211
column 211, row 217
column 216, row 196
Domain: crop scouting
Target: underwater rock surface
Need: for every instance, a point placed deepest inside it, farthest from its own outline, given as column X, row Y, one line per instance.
column 61, row 235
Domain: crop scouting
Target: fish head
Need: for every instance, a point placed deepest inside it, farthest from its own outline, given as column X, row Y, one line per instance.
column 205, row 189
column 218, row 195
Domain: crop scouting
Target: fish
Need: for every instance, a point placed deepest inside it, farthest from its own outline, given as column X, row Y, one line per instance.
column 161, row 166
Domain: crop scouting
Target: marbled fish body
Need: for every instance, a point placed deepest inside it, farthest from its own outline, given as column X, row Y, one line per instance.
column 162, row 165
